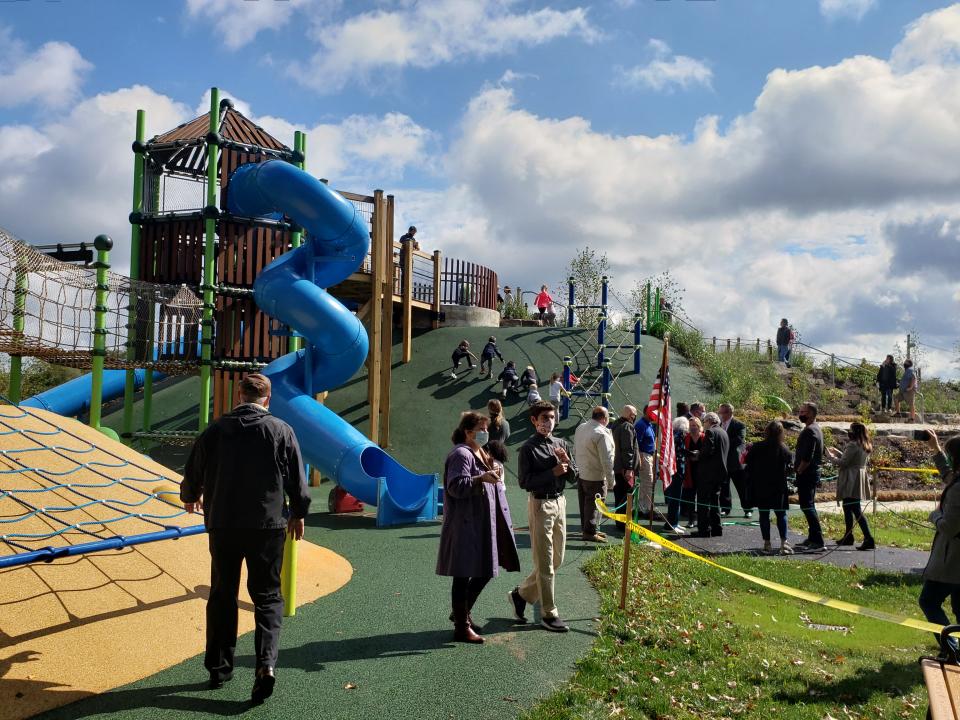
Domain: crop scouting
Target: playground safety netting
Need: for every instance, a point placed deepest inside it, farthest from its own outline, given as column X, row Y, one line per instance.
column 47, row 311
column 62, row 494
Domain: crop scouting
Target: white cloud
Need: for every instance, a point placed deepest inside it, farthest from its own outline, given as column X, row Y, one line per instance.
column 933, row 38
column 755, row 217
column 239, row 22
column 666, row 71
column 854, row 9
column 51, row 75
column 428, row 33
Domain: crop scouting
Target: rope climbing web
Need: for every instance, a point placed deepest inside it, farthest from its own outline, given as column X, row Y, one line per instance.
column 62, row 493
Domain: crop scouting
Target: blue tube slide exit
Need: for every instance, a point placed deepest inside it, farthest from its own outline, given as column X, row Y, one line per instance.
column 73, row 397
column 291, row 289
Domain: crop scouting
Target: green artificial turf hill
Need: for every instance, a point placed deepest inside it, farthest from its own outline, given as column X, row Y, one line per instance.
column 381, row 646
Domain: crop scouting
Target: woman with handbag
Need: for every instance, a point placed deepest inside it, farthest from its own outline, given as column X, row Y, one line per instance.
column 853, row 483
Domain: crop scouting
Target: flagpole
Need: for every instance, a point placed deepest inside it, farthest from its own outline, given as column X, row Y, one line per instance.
column 664, row 364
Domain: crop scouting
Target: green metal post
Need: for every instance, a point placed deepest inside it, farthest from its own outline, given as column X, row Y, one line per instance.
column 206, row 337
column 647, row 317
column 103, row 244
column 656, row 307
column 19, row 316
column 288, row 574
column 129, row 387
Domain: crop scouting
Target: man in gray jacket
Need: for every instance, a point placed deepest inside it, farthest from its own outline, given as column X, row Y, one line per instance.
column 593, row 448
column 941, row 577
column 626, row 457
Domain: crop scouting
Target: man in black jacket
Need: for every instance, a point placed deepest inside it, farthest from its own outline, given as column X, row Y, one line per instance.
column 238, row 472
column 711, row 475
column 544, row 470
column 737, row 435
column 626, row 456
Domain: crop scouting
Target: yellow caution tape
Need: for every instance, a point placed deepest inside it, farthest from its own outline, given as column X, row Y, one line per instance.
column 786, row 590
column 931, row 471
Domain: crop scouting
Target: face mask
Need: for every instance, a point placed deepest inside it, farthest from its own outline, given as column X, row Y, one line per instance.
column 481, row 437
column 544, row 427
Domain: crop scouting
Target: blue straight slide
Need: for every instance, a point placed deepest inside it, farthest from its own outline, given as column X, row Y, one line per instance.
column 291, row 289
column 73, row 397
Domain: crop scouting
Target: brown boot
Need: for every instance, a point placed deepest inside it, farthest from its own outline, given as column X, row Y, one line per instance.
column 462, row 632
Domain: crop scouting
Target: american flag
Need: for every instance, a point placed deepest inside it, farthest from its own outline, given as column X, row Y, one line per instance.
column 658, row 410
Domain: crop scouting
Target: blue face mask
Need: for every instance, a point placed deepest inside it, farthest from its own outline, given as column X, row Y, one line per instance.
column 481, row 437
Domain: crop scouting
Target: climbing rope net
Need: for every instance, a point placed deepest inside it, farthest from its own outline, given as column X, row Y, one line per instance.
column 63, row 495
column 47, row 311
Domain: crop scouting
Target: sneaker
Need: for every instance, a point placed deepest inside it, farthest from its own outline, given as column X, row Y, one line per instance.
column 504, row 394
column 554, row 624
column 767, row 547
column 724, row 513
column 748, row 514
column 785, row 548
column 453, row 375
column 594, row 538
column 517, row 604
column 679, row 530
column 601, row 535
column 814, row 547
column 691, row 524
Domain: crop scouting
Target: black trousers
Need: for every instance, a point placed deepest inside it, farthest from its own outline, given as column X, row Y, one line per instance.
column 262, row 550
column 621, row 488
column 465, row 591
column 708, row 502
column 739, row 482
column 886, row 398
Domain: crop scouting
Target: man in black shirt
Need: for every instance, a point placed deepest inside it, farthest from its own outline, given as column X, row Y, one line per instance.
column 238, row 472
column 544, row 470
column 807, row 460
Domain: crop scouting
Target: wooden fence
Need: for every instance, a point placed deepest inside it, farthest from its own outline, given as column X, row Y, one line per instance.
column 467, row 283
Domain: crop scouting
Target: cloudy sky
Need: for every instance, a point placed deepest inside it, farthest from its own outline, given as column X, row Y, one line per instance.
column 794, row 159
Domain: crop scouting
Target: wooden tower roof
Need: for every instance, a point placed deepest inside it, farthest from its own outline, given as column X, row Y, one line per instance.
column 183, row 150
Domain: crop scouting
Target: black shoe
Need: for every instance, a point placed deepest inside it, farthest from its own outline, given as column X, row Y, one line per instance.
column 217, row 681
column 700, row 534
column 813, row 547
column 846, row 540
column 868, row 544
column 262, row 685
column 554, row 624
column 517, row 604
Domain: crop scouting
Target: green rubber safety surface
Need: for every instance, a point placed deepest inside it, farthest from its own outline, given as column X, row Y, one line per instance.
column 382, row 645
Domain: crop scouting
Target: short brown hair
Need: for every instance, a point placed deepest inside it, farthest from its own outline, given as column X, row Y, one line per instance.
column 254, row 386
column 468, row 421
column 539, row 408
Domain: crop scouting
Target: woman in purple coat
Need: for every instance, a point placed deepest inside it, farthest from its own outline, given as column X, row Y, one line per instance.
column 477, row 535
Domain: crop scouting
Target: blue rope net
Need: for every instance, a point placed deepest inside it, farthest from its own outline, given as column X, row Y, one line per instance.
column 62, row 495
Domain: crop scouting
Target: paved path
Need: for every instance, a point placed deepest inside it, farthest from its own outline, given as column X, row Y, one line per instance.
column 897, row 428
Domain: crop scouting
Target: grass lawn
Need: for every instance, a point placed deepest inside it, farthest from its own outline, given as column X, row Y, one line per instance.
column 903, row 529
column 698, row 643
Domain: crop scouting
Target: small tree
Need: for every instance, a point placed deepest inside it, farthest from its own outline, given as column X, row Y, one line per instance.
column 670, row 292
column 587, row 269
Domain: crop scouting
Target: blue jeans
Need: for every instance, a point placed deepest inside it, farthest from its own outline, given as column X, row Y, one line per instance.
column 764, row 517
column 931, row 600
column 679, row 499
column 783, row 353
column 807, row 492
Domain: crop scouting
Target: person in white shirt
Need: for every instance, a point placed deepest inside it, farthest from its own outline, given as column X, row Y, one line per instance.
column 557, row 391
column 594, row 451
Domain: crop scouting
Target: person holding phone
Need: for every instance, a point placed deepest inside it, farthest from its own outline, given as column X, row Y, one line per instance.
column 477, row 534
column 941, row 576
column 545, row 468
column 853, row 483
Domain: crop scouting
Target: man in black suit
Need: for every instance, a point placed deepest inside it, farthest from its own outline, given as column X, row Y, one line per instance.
column 712, row 474
column 737, row 434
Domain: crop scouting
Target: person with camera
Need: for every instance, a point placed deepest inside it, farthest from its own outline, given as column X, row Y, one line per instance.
column 941, row 576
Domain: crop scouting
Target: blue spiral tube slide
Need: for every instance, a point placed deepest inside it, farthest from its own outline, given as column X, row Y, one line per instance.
column 292, row 289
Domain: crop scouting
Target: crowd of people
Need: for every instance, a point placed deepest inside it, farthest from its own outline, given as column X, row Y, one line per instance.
column 245, row 473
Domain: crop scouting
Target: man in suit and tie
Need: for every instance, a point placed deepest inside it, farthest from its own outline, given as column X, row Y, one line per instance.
column 737, row 434
column 711, row 476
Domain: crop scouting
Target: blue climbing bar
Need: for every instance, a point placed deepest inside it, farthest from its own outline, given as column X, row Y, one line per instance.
column 565, row 399
column 571, row 297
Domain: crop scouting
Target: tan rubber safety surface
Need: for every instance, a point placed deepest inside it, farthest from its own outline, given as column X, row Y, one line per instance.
column 87, row 624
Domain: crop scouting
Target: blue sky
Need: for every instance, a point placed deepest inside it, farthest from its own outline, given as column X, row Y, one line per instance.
column 803, row 146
